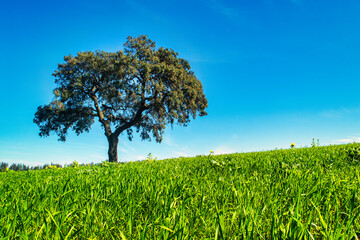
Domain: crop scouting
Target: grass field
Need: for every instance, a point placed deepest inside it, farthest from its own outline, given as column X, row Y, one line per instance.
column 307, row 193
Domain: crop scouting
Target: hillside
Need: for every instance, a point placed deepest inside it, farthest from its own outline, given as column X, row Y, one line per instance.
column 309, row 193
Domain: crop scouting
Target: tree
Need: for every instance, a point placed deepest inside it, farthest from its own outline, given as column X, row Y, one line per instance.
column 141, row 88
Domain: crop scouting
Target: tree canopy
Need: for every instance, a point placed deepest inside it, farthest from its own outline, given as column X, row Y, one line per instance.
column 140, row 88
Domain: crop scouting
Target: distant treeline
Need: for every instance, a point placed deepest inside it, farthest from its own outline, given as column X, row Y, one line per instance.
column 22, row 167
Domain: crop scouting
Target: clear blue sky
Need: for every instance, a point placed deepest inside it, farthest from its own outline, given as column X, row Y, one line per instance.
column 274, row 72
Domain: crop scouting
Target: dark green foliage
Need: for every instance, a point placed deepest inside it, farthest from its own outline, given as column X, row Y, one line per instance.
column 141, row 88
column 3, row 166
column 19, row 167
column 309, row 193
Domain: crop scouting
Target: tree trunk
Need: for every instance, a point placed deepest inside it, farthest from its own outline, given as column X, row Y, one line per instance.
column 113, row 143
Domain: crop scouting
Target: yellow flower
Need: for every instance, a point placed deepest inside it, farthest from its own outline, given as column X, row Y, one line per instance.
column 292, row 145
column 46, row 167
column 6, row 169
column 88, row 165
column 211, row 151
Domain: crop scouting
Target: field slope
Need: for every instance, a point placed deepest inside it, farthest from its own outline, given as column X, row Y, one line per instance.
column 307, row 193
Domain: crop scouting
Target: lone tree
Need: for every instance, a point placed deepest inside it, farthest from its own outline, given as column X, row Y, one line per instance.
column 141, row 88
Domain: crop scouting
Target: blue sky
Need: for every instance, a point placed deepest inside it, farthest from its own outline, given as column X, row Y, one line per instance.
column 274, row 72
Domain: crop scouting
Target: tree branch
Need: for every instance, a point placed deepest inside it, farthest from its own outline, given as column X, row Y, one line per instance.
column 131, row 123
column 100, row 114
column 138, row 114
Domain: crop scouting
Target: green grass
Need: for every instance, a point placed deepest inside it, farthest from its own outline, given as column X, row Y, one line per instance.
column 308, row 193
